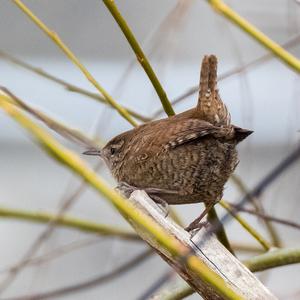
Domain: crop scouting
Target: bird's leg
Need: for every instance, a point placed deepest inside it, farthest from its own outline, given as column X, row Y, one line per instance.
column 197, row 224
column 127, row 189
column 164, row 206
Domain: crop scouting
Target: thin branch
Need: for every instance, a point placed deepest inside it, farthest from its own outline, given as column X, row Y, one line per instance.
column 56, row 39
column 57, row 252
column 273, row 259
column 35, row 246
column 259, row 208
column 69, row 86
column 268, row 217
column 166, row 277
column 212, row 217
column 88, row 284
column 244, row 190
column 171, row 23
column 71, row 134
column 247, row 248
column 264, row 40
column 235, row 71
column 68, row 221
column 256, row 235
column 174, row 289
column 141, row 57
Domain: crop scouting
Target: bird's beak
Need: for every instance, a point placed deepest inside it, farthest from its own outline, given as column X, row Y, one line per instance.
column 92, row 152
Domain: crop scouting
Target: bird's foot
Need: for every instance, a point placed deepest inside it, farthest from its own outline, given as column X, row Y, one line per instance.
column 195, row 227
column 125, row 189
column 161, row 203
column 197, row 224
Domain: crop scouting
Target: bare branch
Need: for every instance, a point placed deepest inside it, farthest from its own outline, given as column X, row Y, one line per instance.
column 88, row 284
column 69, row 86
column 267, row 217
column 235, row 71
column 211, row 252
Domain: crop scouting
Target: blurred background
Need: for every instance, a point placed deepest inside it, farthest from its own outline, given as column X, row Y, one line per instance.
column 175, row 35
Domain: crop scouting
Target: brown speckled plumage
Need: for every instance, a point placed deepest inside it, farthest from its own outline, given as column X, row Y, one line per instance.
column 185, row 158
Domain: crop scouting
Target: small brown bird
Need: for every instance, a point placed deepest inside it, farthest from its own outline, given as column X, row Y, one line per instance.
column 186, row 158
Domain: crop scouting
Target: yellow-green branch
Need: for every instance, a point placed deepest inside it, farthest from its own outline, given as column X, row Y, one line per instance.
column 56, row 39
column 141, row 57
column 72, row 161
column 68, row 221
column 273, row 259
column 68, row 86
column 235, row 18
column 246, row 225
column 254, row 201
column 69, row 133
column 213, row 218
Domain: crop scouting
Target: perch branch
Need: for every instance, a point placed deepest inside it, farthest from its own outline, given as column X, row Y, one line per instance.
column 212, row 252
column 178, row 289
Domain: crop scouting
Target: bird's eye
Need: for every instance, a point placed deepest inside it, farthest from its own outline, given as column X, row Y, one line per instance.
column 112, row 150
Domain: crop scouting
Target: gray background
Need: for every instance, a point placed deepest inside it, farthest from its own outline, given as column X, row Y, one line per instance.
column 265, row 99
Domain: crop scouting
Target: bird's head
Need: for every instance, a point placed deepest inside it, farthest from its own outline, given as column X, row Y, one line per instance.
column 112, row 153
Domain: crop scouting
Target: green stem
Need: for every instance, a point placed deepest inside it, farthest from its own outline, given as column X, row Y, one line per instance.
column 68, row 221
column 272, row 259
column 256, row 204
column 69, row 86
column 56, row 39
column 69, row 133
column 235, row 18
column 246, row 225
column 212, row 217
column 141, row 57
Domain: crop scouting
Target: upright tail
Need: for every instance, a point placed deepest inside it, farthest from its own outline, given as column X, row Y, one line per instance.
column 210, row 107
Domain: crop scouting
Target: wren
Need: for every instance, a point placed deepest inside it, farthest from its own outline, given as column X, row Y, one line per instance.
column 186, row 158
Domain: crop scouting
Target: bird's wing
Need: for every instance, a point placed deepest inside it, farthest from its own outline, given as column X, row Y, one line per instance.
column 190, row 130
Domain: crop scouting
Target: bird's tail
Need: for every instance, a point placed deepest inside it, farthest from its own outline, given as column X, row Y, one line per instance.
column 210, row 107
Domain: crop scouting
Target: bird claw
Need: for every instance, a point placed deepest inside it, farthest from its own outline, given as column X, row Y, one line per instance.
column 161, row 203
column 125, row 188
column 194, row 228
